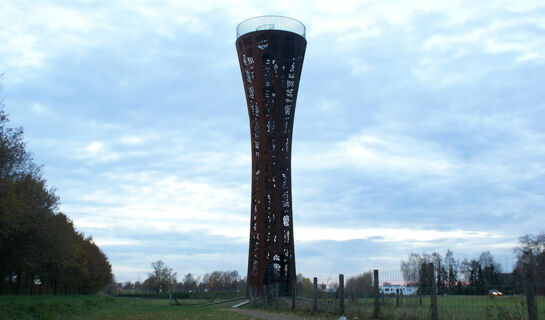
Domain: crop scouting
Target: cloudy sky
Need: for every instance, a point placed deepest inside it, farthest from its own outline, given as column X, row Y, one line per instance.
column 419, row 127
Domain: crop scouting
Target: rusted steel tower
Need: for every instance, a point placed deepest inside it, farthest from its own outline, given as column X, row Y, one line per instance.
column 271, row 50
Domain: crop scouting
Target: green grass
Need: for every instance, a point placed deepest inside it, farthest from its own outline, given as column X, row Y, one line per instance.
column 105, row 308
column 449, row 308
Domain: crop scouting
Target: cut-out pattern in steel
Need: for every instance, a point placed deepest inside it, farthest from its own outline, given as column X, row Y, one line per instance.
column 271, row 61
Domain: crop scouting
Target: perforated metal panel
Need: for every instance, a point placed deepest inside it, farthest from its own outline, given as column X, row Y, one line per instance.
column 271, row 62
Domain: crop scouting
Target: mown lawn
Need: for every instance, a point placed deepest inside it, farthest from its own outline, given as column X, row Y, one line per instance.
column 99, row 307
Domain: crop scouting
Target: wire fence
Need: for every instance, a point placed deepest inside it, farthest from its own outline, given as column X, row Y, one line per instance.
column 516, row 290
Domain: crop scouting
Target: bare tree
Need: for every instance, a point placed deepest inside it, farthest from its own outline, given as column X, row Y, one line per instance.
column 486, row 259
column 451, row 266
column 410, row 269
column 532, row 247
column 534, row 244
column 465, row 270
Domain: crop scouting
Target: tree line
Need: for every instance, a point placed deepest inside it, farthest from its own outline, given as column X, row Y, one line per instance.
column 477, row 275
column 452, row 276
column 40, row 250
column 163, row 280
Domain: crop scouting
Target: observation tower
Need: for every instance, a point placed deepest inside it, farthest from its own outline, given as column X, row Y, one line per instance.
column 271, row 50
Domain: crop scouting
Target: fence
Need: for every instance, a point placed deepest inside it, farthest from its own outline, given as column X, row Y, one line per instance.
column 516, row 293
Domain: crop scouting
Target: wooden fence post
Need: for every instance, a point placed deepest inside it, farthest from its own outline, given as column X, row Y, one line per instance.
column 341, row 294
column 315, row 304
column 376, row 312
column 529, row 284
column 397, row 297
column 433, row 293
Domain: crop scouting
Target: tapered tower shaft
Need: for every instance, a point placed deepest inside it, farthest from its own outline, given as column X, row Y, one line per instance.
column 271, row 58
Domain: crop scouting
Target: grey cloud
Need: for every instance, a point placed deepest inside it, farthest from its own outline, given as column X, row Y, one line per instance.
column 438, row 86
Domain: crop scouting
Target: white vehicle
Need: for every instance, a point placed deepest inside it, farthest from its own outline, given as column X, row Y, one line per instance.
column 494, row 293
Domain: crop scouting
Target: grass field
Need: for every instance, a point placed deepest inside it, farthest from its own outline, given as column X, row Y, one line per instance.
column 101, row 307
column 449, row 308
column 105, row 308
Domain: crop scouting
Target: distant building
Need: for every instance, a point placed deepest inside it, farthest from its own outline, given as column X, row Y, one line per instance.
column 393, row 289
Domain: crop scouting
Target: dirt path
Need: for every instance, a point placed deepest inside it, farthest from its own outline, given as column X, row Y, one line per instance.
column 264, row 315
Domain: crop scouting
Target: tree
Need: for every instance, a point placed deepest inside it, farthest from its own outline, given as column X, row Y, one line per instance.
column 410, row 269
column 440, row 272
column 215, row 281
column 189, row 283
column 95, row 266
column 451, row 265
column 360, row 285
column 304, row 285
column 16, row 227
column 465, row 270
column 241, row 285
column 424, row 276
column 490, row 271
column 162, row 277
column 39, row 247
column 138, row 286
column 128, row 285
column 532, row 247
column 222, row 280
column 150, row 284
column 476, row 280
column 486, row 259
column 535, row 244
column 230, row 280
column 203, row 284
